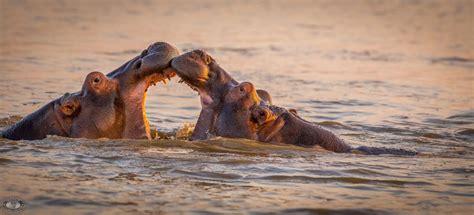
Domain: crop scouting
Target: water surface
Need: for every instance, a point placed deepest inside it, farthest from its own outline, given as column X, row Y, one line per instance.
column 377, row 73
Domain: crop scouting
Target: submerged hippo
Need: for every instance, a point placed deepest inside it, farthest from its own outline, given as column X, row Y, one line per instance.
column 230, row 109
column 279, row 125
column 109, row 106
column 264, row 122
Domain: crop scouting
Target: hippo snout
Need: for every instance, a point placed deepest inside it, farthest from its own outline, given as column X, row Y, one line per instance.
column 156, row 57
column 163, row 48
column 193, row 67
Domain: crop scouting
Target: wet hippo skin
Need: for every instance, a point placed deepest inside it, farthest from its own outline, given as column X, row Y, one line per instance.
column 109, row 106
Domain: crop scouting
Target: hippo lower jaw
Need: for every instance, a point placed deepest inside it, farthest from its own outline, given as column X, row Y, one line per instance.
column 207, row 115
column 202, row 74
column 206, row 99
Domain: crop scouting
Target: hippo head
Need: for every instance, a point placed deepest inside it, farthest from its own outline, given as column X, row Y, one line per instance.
column 234, row 119
column 96, row 111
column 109, row 106
column 202, row 73
column 279, row 125
column 269, row 120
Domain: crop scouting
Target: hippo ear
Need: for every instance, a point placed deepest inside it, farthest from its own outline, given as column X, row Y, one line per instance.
column 262, row 116
column 70, row 105
column 293, row 111
column 265, row 96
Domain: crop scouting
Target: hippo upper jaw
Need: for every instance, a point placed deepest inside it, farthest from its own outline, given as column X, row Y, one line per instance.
column 193, row 69
column 202, row 74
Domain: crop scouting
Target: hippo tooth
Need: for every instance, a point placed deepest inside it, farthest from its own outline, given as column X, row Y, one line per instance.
column 165, row 81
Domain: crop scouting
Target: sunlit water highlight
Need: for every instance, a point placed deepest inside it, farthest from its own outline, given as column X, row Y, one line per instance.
column 381, row 73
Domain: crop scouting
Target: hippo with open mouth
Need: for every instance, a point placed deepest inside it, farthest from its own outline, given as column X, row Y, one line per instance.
column 108, row 106
column 238, row 110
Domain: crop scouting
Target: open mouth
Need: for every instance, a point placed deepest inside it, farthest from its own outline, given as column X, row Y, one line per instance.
column 189, row 83
column 153, row 79
column 163, row 76
column 191, row 71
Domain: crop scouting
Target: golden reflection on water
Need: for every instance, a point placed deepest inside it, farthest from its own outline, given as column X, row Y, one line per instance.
column 380, row 73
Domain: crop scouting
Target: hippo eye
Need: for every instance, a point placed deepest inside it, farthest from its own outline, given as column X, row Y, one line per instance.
column 96, row 80
column 262, row 114
column 242, row 89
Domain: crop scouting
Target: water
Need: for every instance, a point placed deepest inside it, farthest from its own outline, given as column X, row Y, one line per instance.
column 377, row 73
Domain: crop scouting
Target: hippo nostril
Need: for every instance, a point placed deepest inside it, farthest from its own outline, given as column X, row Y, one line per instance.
column 96, row 80
column 262, row 114
column 144, row 53
column 139, row 64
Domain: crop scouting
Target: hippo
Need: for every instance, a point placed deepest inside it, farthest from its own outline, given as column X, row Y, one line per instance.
column 279, row 125
column 264, row 122
column 239, row 110
column 201, row 73
column 108, row 106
